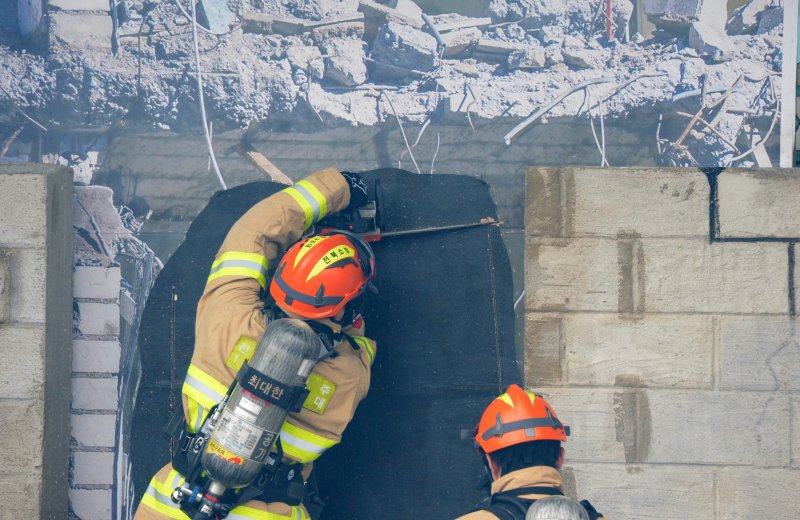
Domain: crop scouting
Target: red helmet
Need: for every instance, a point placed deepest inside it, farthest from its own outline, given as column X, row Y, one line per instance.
column 515, row 417
column 318, row 276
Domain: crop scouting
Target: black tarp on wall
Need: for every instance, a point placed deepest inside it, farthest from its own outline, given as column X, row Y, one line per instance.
column 443, row 320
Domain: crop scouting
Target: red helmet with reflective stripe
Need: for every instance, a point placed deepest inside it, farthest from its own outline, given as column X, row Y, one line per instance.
column 515, row 417
column 318, row 276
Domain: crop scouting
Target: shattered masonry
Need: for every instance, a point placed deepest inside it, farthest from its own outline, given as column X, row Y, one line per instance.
column 322, row 64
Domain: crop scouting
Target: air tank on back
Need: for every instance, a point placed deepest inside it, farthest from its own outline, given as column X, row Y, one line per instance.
column 249, row 425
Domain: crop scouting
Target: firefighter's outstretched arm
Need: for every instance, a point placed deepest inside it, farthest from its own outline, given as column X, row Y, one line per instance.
column 229, row 314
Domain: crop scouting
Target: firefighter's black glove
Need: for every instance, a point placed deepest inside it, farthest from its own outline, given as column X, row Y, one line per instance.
column 358, row 189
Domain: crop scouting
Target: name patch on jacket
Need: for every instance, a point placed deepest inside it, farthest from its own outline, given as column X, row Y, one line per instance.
column 242, row 351
column 320, row 393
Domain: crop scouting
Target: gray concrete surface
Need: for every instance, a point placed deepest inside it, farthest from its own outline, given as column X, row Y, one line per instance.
column 669, row 346
column 35, row 328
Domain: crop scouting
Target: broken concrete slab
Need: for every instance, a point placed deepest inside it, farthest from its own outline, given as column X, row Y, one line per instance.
column 405, row 7
column 344, row 62
column 261, row 23
column 376, row 15
column 553, row 55
column 82, row 30
column 495, row 50
column 216, row 13
column 460, row 41
column 306, row 58
column 580, row 58
column 467, row 68
column 711, row 42
column 403, row 47
column 683, row 13
column 102, row 233
column 447, row 23
column 551, row 34
column 527, row 59
column 460, row 103
column 341, row 29
column 313, row 9
column 570, row 14
column 745, row 18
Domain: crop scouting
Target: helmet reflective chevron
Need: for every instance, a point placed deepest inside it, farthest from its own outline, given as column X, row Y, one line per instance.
column 515, row 417
column 318, row 276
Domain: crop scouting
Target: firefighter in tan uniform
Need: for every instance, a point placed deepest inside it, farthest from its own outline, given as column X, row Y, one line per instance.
column 520, row 436
column 318, row 280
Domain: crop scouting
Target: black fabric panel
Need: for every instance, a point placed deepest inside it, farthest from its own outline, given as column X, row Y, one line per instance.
column 444, row 323
column 411, row 201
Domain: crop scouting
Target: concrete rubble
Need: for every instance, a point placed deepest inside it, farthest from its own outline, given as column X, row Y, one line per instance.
column 282, row 62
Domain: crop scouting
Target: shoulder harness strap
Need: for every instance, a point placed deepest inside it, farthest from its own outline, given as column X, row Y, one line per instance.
column 509, row 505
column 594, row 514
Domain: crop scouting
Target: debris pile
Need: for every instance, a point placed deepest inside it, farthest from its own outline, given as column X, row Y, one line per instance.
column 314, row 64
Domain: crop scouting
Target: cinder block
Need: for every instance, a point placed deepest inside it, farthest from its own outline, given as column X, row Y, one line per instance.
column 93, row 430
column 95, row 356
column 91, row 504
column 795, row 402
column 79, row 5
column 544, row 350
column 5, row 284
column 92, row 468
column 81, row 31
column 758, row 493
column 641, row 202
column 695, row 276
column 94, row 393
column 28, row 285
column 14, row 487
column 590, row 414
column 656, row 351
column 759, row 203
column 98, row 319
column 21, row 441
column 759, row 353
column 639, row 425
column 23, row 197
column 22, row 378
column 579, row 274
column 96, row 282
column 645, row 492
column 740, row 428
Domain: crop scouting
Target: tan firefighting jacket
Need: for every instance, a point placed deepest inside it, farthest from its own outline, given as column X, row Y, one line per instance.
column 230, row 321
column 536, row 476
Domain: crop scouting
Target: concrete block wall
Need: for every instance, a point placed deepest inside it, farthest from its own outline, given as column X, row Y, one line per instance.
column 35, row 317
column 112, row 276
column 171, row 174
column 660, row 322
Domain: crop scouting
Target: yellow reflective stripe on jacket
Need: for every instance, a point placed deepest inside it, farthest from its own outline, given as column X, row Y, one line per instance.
column 310, row 199
column 249, row 513
column 197, row 415
column 366, row 346
column 203, row 392
column 237, row 263
column 158, row 497
column 303, row 445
